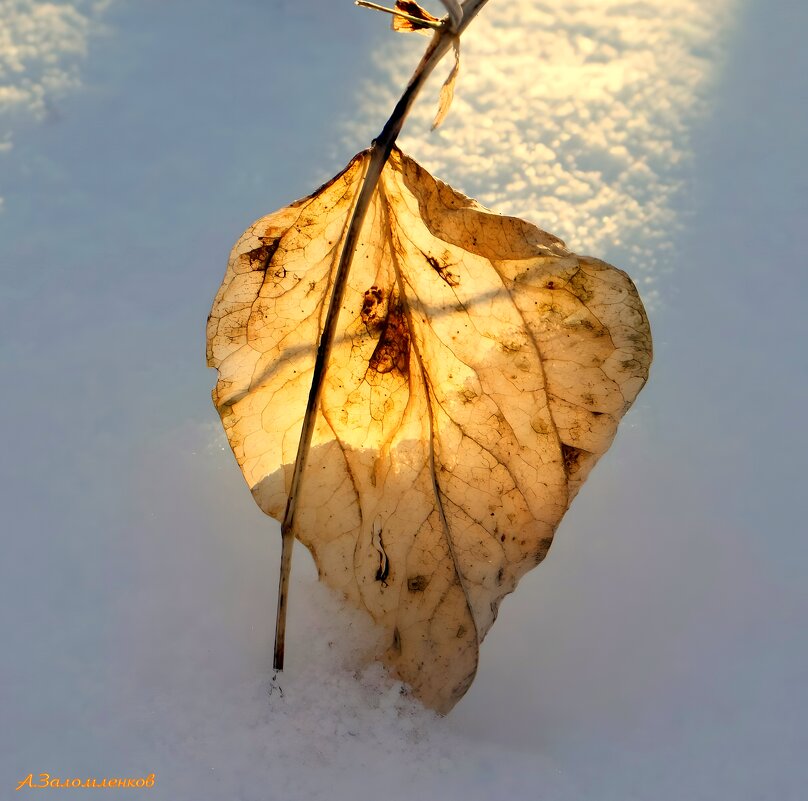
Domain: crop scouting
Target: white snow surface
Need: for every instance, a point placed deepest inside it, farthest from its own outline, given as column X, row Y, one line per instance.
column 332, row 725
column 329, row 726
column 658, row 654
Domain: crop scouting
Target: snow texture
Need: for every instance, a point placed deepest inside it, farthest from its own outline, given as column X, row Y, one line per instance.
column 41, row 48
column 658, row 653
column 575, row 115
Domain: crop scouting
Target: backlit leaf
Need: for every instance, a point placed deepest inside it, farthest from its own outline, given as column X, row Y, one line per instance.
column 412, row 8
column 447, row 90
column 479, row 372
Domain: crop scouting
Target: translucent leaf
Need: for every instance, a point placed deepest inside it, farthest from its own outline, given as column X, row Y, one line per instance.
column 479, row 372
column 414, row 10
column 447, row 90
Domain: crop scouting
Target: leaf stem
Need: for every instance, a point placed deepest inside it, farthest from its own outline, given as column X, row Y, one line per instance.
column 379, row 153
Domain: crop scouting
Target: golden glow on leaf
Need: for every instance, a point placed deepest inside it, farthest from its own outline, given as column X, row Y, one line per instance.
column 411, row 8
column 479, row 372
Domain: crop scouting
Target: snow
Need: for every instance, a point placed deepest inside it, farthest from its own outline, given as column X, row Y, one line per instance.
column 658, row 653
column 328, row 726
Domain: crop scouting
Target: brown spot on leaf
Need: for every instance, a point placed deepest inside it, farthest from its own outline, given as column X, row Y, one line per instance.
column 383, row 571
column 542, row 549
column 260, row 258
column 469, row 396
column 443, row 271
column 417, row 583
column 370, row 306
column 572, row 457
column 393, row 349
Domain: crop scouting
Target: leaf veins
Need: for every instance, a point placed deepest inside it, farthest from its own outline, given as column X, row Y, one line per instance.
column 479, row 373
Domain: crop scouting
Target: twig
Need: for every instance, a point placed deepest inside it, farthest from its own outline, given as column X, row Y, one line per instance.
column 379, row 153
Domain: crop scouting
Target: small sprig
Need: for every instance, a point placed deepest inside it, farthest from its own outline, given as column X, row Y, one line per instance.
column 427, row 21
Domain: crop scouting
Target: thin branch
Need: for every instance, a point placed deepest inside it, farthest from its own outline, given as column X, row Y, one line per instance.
column 379, row 153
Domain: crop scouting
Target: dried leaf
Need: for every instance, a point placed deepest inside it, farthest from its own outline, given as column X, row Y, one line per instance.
column 414, row 10
column 447, row 90
column 479, row 373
